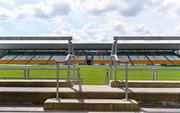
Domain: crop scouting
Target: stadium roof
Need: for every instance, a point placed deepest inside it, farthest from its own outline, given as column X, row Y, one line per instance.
column 125, row 43
column 123, row 46
column 146, row 38
column 35, row 37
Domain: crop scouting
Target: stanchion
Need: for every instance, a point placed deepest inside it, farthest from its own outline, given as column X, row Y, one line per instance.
column 153, row 74
column 115, row 72
column 57, row 80
column 24, row 73
column 126, row 81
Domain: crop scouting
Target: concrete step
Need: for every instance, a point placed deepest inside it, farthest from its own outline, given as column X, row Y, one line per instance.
column 147, row 84
column 91, row 104
column 157, row 97
column 34, row 83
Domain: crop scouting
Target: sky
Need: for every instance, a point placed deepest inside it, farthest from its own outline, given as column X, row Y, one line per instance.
column 90, row 20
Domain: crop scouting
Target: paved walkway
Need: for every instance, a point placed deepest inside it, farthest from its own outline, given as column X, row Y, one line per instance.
column 89, row 88
column 29, row 109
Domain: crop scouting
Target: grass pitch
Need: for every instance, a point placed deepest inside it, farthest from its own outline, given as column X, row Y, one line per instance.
column 93, row 75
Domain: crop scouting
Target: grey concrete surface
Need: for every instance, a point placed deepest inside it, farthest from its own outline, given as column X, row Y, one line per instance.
column 89, row 88
column 33, row 109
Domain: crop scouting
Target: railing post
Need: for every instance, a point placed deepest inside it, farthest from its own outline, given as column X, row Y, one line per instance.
column 79, row 78
column 28, row 73
column 68, row 71
column 107, row 76
column 115, row 72
column 126, row 81
column 156, row 74
column 74, row 69
column 57, row 80
column 24, row 73
column 110, row 70
column 153, row 74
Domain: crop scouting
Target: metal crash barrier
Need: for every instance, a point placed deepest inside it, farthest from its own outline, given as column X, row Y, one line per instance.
column 154, row 72
column 70, row 59
column 114, row 60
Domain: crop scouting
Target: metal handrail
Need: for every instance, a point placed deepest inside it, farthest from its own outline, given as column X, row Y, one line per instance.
column 27, row 70
column 12, row 68
column 154, row 72
column 147, row 69
column 50, row 68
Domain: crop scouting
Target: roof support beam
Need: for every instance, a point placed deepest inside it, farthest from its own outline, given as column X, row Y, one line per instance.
column 146, row 37
column 35, row 38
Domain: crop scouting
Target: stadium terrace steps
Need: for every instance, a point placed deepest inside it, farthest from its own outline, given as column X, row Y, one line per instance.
column 100, row 62
column 51, row 62
column 18, row 62
column 176, row 61
column 169, row 60
column 158, row 59
column 4, row 61
column 30, row 59
column 141, row 62
column 51, row 59
column 160, row 62
column 12, row 58
column 91, row 104
column 130, row 60
column 157, row 97
column 34, row 83
column 147, row 84
column 149, row 59
column 37, row 62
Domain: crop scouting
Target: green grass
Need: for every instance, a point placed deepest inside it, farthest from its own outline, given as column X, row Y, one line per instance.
column 93, row 75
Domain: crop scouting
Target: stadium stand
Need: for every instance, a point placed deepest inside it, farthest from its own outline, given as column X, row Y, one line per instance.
column 125, row 58
column 21, row 59
column 101, row 60
column 97, row 59
column 158, row 59
column 139, row 60
column 55, row 58
column 40, row 59
column 174, row 59
column 7, row 58
column 81, row 60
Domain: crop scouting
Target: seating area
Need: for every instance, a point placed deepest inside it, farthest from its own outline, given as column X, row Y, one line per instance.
column 139, row 60
column 101, row 59
column 158, row 59
column 174, row 59
column 153, row 57
column 8, row 57
column 124, row 58
column 39, row 59
column 81, row 60
column 55, row 58
column 58, row 58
